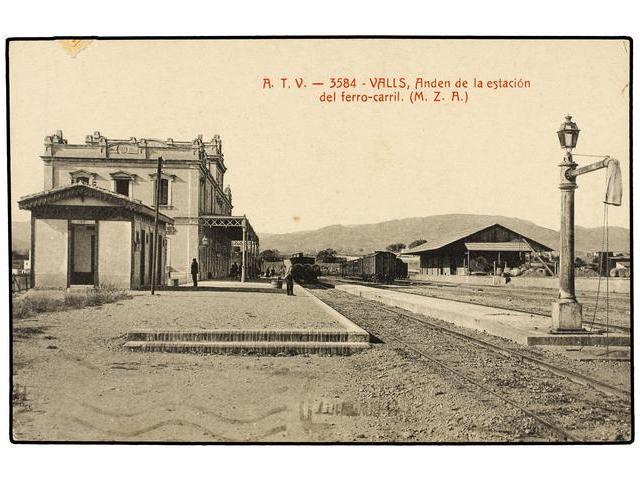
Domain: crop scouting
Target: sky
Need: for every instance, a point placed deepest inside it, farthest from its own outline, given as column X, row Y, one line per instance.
column 295, row 163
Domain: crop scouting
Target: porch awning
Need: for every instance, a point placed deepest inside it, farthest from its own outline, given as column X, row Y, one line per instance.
column 57, row 196
column 232, row 224
column 497, row 247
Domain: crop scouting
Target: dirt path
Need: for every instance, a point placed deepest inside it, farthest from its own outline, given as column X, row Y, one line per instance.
column 77, row 383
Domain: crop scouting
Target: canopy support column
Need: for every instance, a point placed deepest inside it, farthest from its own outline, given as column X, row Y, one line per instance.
column 243, row 277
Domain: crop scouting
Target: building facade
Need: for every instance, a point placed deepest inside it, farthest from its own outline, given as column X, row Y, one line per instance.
column 85, row 235
column 191, row 192
column 467, row 252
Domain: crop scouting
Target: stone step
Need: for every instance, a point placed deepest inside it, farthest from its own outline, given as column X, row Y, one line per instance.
column 264, row 348
column 248, row 336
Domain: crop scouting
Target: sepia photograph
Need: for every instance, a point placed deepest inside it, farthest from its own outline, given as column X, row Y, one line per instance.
column 351, row 240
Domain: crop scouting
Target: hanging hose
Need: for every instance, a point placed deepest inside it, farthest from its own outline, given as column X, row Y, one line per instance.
column 604, row 260
column 604, row 268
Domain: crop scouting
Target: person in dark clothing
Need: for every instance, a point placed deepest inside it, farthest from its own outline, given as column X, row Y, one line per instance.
column 194, row 272
column 288, row 276
column 234, row 270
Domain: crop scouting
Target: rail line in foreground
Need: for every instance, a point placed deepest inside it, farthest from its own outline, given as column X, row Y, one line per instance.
column 502, row 352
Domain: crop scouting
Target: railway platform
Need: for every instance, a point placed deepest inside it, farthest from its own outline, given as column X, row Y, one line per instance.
column 520, row 327
column 240, row 318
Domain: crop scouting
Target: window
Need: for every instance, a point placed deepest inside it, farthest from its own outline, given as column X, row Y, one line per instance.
column 122, row 186
column 83, row 176
column 164, row 192
column 166, row 181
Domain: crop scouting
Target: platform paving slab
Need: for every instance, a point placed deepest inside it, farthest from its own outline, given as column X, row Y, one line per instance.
column 239, row 320
column 520, row 327
column 248, row 348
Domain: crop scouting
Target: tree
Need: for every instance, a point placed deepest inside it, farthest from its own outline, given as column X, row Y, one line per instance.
column 271, row 255
column 395, row 247
column 328, row 255
column 415, row 243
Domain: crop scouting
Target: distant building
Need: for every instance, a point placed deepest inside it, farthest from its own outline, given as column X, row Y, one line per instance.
column 607, row 262
column 20, row 263
column 458, row 253
column 192, row 193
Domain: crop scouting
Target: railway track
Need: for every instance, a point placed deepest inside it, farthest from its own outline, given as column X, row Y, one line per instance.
column 598, row 325
column 455, row 365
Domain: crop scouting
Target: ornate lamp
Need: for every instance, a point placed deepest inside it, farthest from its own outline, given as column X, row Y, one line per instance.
column 568, row 134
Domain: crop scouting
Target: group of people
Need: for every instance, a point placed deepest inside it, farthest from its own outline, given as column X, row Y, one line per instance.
column 286, row 272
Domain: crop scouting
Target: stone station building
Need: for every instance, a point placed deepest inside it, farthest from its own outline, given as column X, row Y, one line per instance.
column 192, row 193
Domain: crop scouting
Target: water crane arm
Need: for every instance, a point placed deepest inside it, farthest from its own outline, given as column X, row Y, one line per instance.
column 613, row 196
column 589, row 168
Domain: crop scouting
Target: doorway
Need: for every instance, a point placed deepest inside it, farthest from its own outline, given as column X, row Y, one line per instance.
column 143, row 244
column 82, row 254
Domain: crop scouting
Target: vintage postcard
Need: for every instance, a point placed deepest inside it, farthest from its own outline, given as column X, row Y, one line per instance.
column 378, row 240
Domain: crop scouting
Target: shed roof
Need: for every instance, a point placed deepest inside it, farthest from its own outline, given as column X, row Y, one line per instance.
column 73, row 190
column 497, row 247
column 448, row 238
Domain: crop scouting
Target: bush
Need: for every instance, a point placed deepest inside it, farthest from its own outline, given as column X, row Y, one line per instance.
column 21, row 309
column 39, row 302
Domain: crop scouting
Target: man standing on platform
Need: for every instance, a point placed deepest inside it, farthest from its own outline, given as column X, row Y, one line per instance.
column 288, row 276
column 194, row 272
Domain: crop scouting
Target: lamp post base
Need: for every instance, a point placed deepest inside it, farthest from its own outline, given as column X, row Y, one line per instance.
column 566, row 317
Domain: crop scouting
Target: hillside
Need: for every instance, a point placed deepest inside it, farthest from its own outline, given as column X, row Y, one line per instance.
column 365, row 238
column 355, row 239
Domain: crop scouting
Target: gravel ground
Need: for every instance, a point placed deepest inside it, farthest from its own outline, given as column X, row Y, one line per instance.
column 76, row 382
column 582, row 411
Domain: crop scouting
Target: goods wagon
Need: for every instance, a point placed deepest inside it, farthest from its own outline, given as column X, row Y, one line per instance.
column 376, row 267
column 402, row 269
column 352, row 268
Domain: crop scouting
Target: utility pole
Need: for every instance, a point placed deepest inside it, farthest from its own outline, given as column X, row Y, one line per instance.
column 155, row 256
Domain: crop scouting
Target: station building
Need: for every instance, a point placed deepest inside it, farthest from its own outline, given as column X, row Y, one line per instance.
column 195, row 204
column 85, row 235
column 457, row 253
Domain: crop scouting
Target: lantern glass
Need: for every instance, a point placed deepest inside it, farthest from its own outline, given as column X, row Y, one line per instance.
column 568, row 133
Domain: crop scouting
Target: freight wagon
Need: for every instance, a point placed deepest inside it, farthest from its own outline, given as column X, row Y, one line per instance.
column 402, row 269
column 379, row 266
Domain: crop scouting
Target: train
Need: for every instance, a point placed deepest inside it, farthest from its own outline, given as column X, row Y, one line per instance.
column 379, row 266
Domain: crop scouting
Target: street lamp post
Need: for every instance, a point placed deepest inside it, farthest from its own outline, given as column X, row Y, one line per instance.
column 566, row 311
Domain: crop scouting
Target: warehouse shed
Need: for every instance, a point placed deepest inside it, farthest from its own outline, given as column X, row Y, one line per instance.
column 465, row 252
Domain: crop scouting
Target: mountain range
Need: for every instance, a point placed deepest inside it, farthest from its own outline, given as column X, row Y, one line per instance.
column 365, row 238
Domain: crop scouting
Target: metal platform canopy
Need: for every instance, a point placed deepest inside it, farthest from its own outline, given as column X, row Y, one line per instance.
column 238, row 229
